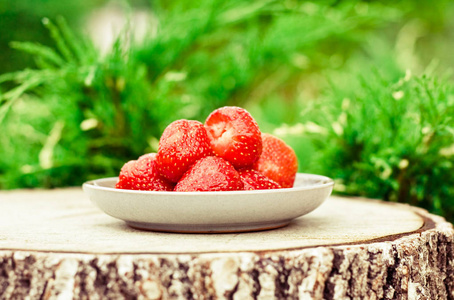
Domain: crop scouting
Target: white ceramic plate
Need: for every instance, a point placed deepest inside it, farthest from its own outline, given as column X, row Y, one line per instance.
column 233, row 211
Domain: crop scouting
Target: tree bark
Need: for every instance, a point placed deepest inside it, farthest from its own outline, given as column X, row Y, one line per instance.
column 411, row 265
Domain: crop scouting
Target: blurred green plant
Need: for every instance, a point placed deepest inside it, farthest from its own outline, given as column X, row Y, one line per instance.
column 20, row 20
column 386, row 138
column 77, row 114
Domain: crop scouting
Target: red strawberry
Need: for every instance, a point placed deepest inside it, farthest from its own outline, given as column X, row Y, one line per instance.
column 254, row 180
column 142, row 174
column 278, row 161
column 234, row 135
column 182, row 143
column 150, row 156
column 210, row 174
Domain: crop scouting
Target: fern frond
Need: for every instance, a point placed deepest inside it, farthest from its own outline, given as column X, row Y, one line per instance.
column 74, row 44
column 28, row 79
column 60, row 41
column 41, row 51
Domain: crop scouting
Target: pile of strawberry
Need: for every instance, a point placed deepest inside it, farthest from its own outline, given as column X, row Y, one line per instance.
column 226, row 153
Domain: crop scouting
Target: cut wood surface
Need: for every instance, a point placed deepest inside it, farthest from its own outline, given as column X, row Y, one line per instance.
column 54, row 244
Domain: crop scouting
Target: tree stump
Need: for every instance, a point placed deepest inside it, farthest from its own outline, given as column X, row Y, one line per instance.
column 57, row 245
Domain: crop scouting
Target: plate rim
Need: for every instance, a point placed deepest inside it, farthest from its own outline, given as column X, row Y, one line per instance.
column 327, row 181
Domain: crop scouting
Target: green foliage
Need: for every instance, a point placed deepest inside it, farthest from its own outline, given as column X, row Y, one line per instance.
column 387, row 138
column 20, row 20
column 83, row 115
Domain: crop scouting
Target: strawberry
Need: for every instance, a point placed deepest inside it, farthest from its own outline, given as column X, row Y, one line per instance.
column 182, row 143
column 278, row 161
column 234, row 135
column 254, row 180
column 142, row 174
column 210, row 174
